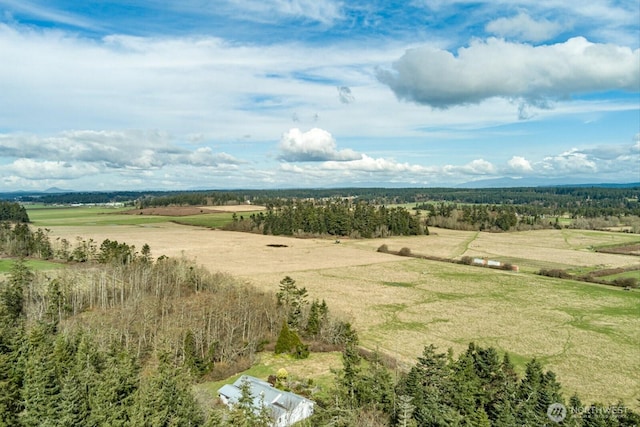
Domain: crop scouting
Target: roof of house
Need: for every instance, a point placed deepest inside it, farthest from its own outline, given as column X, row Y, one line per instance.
column 279, row 401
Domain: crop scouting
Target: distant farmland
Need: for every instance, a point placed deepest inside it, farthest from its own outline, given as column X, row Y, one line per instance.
column 588, row 334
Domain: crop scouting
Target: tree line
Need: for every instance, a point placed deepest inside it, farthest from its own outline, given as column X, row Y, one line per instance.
column 622, row 198
column 478, row 388
column 505, row 217
column 13, row 211
column 336, row 217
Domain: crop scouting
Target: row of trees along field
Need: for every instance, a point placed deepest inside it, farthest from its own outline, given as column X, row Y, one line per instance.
column 335, row 217
column 590, row 207
column 479, row 209
column 582, row 200
column 564, row 197
column 525, row 217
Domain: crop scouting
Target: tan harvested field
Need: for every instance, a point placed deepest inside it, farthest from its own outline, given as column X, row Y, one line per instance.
column 240, row 254
column 588, row 334
column 530, row 250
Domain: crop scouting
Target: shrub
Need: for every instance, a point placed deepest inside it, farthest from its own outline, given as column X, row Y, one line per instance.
column 555, row 272
column 384, row 248
column 301, row 351
column 404, row 252
column 289, row 342
column 630, row 282
column 467, row 260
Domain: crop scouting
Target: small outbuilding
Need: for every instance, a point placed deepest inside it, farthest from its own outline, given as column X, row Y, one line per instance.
column 286, row 408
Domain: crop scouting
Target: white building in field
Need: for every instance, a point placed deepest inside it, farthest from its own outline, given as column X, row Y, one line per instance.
column 286, row 408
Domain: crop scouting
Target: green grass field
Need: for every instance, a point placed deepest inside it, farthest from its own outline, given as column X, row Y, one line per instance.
column 43, row 216
column 588, row 334
column 84, row 215
column 6, row 264
column 215, row 220
column 626, row 275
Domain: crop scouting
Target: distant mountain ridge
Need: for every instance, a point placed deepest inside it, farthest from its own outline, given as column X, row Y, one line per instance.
column 539, row 182
column 55, row 190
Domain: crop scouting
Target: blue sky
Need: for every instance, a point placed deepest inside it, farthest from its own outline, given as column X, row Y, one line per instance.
column 200, row 94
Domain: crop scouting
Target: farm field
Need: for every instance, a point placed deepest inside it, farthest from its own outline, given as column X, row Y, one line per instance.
column 589, row 335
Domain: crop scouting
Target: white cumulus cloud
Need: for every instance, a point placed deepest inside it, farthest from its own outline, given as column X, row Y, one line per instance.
column 475, row 167
column 498, row 68
column 520, row 164
column 312, row 146
column 131, row 149
column 370, row 164
column 572, row 161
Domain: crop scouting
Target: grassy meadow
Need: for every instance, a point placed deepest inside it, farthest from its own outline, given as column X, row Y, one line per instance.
column 588, row 334
column 44, row 216
column 33, row 264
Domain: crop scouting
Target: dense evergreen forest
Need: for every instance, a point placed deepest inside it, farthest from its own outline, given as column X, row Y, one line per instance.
column 335, row 218
column 479, row 388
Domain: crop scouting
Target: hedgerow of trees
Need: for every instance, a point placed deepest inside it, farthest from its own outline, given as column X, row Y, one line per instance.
column 505, row 217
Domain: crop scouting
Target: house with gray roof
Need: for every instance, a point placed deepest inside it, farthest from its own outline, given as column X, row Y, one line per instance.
column 286, row 408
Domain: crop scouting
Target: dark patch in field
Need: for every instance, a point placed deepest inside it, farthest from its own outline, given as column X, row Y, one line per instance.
column 276, row 245
column 170, row 211
column 633, row 249
column 399, row 284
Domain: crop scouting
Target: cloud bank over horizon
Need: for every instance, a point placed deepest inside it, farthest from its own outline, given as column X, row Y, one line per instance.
column 300, row 93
